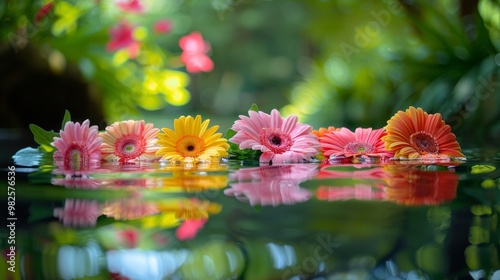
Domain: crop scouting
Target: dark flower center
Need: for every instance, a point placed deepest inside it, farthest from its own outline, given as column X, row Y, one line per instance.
column 275, row 140
column 190, row 148
column 424, row 143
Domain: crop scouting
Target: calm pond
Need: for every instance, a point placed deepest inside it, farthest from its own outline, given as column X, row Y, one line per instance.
column 242, row 220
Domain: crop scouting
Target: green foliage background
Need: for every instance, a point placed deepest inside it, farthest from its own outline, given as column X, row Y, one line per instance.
column 341, row 63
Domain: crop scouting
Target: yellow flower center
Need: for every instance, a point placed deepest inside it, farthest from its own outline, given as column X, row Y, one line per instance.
column 424, row 143
column 190, row 146
column 358, row 148
column 75, row 157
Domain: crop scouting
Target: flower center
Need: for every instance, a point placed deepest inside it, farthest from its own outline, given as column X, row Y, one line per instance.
column 75, row 157
column 275, row 140
column 190, row 146
column 129, row 147
column 424, row 143
column 358, row 148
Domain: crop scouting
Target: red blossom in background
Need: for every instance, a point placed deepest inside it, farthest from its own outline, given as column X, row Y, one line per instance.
column 43, row 12
column 162, row 26
column 132, row 6
column 194, row 51
column 121, row 37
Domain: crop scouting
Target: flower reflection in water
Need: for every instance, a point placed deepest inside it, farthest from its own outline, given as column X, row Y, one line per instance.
column 75, row 179
column 129, row 208
column 272, row 185
column 351, row 181
column 406, row 184
column 78, row 213
column 409, row 185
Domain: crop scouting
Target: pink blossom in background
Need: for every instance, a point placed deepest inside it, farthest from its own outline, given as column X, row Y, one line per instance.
column 281, row 140
column 77, row 148
column 189, row 228
column 132, row 6
column 363, row 143
column 122, row 38
column 194, row 50
column 162, row 26
column 78, row 213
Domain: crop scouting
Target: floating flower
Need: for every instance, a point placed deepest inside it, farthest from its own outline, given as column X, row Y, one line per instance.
column 362, row 144
column 191, row 140
column 122, row 38
column 414, row 134
column 77, row 147
column 194, row 51
column 133, row 6
column 162, row 26
column 129, row 140
column 280, row 139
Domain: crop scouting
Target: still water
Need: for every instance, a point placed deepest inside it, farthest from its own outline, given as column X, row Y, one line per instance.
column 242, row 220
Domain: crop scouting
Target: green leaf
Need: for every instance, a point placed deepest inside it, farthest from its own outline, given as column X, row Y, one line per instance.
column 43, row 137
column 66, row 118
column 254, row 108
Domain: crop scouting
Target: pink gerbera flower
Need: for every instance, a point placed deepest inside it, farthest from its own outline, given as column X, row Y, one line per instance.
column 129, row 140
column 362, row 144
column 122, row 38
column 281, row 140
column 194, row 50
column 77, row 147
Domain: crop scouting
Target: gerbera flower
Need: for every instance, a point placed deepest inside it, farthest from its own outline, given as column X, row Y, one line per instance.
column 129, row 140
column 363, row 143
column 280, row 139
column 191, row 140
column 415, row 134
column 322, row 131
column 77, row 147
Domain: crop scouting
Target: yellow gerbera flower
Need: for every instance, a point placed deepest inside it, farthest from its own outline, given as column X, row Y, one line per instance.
column 191, row 140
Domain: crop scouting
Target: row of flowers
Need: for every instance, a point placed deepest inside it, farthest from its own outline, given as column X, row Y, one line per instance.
column 273, row 139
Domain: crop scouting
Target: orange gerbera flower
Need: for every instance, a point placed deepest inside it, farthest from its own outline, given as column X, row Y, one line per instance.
column 322, row 131
column 414, row 134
